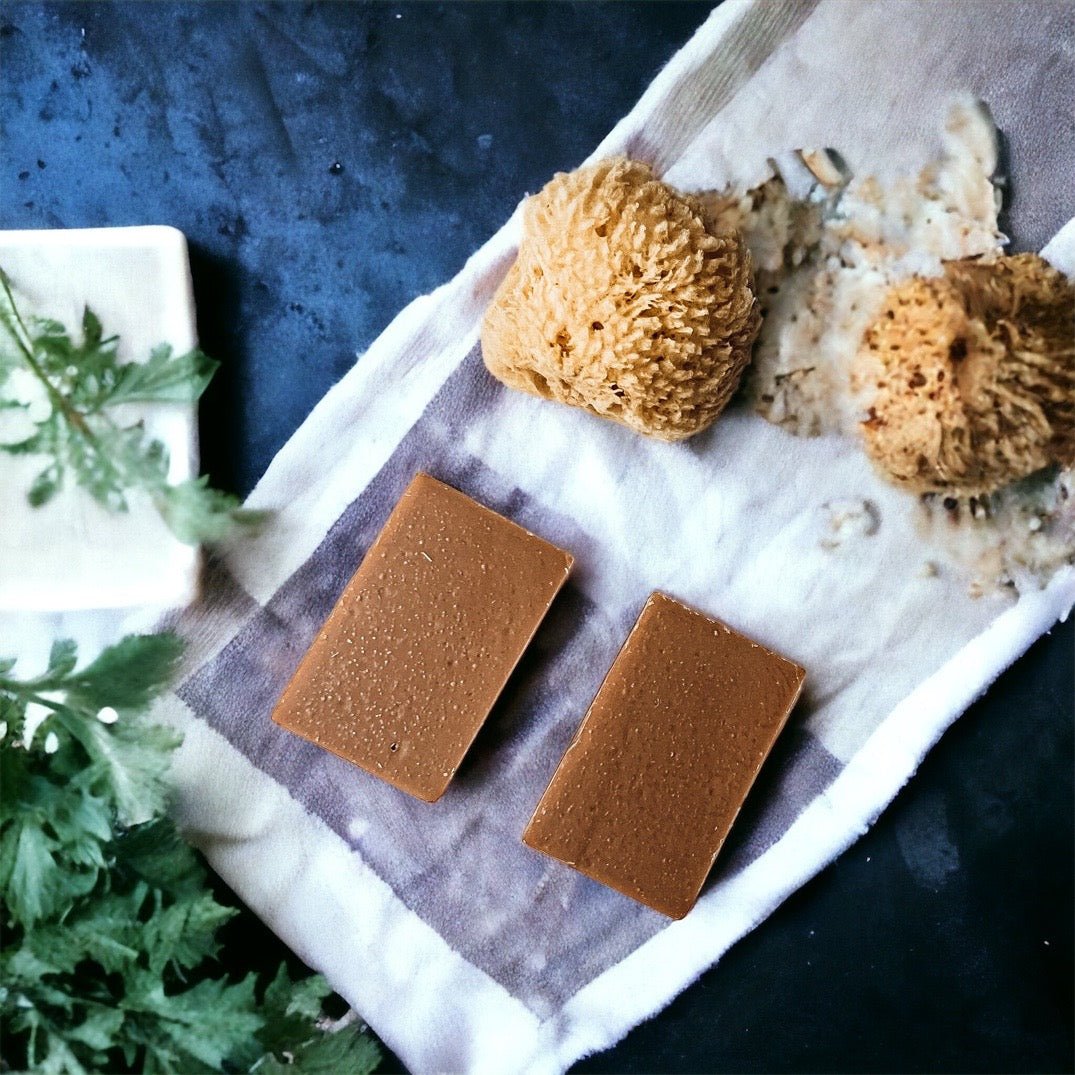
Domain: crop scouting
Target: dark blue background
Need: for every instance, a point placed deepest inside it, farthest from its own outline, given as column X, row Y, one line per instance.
column 328, row 163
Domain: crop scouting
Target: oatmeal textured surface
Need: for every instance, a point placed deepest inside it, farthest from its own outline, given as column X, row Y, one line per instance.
column 624, row 299
column 830, row 249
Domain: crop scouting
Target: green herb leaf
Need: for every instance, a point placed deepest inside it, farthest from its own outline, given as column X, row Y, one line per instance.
column 183, row 935
column 63, row 656
column 109, row 961
column 346, row 1050
column 44, row 487
column 153, row 853
column 164, row 378
column 82, row 434
column 98, row 1029
column 196, row 512
column 194, row 1028
column 128, row 759
column 32, row 877
column 91, row 329
column 128, row 674
column 291, row 1009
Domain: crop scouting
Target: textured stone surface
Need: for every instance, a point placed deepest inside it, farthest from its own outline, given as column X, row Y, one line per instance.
column 328, row 163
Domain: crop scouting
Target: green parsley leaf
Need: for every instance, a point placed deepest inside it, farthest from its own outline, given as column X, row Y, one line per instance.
column 129, row 760
column 128, row 674
column 44, row 487
column 110, row 954
column 346, row 1050
column 63, row 656
column 291, row 1009
column 191, row 1029
column 29, row 871
column 183, row 934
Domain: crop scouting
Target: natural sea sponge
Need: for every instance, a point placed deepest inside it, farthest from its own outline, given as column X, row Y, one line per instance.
column 972, row 376
column 624, row 300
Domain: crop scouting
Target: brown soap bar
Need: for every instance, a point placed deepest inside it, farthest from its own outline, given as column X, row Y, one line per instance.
column 650, row 785
column 423, row 639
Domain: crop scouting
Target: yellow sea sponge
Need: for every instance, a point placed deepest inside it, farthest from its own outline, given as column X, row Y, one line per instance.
column 972, row 376
column 623, row 301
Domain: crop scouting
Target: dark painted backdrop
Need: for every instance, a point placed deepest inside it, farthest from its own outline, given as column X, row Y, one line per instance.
column 329, row 162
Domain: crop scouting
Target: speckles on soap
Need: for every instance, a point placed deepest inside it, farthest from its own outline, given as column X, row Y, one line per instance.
column 430, row 639
column 644, row 796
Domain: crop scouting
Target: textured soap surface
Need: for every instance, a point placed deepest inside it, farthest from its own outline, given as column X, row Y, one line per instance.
column 653, row 780
column 421, row 642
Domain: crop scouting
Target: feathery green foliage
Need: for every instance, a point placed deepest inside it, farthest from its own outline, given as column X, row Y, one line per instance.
column 74, row 425
column 109, row 957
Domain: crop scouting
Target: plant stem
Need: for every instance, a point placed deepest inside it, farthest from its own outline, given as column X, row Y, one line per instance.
column 32, row 696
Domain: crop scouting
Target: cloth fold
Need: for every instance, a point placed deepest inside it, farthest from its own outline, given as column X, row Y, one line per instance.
column 465, row 950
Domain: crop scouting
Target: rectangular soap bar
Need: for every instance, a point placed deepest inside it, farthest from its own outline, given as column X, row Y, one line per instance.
column 423, row 639
column 657, row 772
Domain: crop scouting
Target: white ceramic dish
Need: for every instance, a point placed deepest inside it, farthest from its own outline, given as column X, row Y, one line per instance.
column 71, row 554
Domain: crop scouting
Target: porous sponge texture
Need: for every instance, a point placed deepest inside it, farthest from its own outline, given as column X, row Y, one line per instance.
column 622, row 301
column 972, row 376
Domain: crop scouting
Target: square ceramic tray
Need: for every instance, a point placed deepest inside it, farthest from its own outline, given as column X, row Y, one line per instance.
column 71, row 553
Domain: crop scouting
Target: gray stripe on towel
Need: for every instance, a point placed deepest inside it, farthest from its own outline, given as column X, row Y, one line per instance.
column 539, row 928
